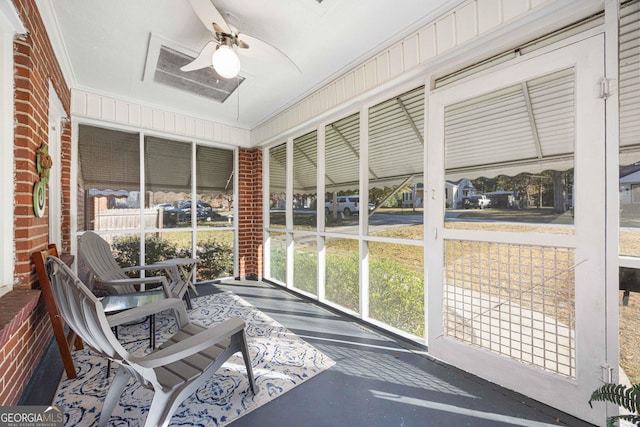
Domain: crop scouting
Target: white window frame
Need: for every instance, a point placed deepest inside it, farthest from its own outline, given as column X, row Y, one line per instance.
column 10, row 25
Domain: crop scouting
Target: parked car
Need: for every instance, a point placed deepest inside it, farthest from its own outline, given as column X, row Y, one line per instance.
column 477, row 201
column 169, row 215
column 204, row 211
column 347, row 205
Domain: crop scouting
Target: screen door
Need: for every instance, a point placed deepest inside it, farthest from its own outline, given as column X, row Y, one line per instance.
column 516, row 282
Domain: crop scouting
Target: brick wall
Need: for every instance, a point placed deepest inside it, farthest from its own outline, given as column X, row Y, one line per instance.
column 250, row 225
column 25, row 334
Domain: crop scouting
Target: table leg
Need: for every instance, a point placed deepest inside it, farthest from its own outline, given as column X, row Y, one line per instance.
column 152, row 331
column 188, row 273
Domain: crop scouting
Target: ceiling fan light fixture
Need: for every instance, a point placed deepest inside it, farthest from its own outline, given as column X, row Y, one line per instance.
column 226, row 62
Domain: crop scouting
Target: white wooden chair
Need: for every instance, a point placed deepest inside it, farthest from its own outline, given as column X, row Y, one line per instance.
column 96, row 254
column 174, row 371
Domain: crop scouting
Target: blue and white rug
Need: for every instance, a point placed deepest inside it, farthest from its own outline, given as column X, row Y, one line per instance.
column 280, row 360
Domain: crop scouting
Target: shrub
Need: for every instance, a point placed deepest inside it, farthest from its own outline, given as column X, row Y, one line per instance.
column 215, row 258
column 396, row 295
column 305, row 272
column 127, row 252
column 396, row 292
column 278, row 265
column 342, row 281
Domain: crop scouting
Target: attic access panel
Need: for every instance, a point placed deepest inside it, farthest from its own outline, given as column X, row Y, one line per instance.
column 204, row 82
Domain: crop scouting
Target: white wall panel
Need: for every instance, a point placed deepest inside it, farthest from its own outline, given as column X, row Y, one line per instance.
column 199, row 129
column 208, row 131
column 331, row 96
column 190, row 126
column 489, row 14
column 158, row 119
column 146, row 117
column 93, row 106
column 445, row 33
column 79, row 103
column 169, row 122
column 108, row 109
column 370, row 74
column 410, row 51
column 180, row 125
column 340, row 91
column 382, row 67
column 122, row 111
column 112, row 110
column 323, row 99
column 513, row 8
column 427, row 38
column 359, row 80
column 395, row 60
column 466, row 23
column 349, row 86
column 135, row 115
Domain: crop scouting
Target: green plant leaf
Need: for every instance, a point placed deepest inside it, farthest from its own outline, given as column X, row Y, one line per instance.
column 623, row 396
column 635, row 419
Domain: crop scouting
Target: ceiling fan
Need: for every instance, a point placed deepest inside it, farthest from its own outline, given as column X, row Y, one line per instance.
column 227, row 42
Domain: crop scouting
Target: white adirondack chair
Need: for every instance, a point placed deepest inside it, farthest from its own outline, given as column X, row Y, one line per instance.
column 96, row 254
column 174, row 371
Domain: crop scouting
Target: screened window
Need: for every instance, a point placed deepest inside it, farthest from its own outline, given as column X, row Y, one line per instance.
column 342, row 177
column 277, row 185
column 177, row 199
column 396, row 166
column 305, row 171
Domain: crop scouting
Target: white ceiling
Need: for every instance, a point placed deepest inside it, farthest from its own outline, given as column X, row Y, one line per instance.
column 106, row 45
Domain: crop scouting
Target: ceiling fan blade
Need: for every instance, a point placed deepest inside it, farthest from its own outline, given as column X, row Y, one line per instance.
column 204, row 58
column 209, row 15
column 263, row 50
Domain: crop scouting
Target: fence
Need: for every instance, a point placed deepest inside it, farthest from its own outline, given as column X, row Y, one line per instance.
column 127, row 219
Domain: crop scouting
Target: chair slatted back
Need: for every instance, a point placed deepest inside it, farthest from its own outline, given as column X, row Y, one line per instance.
column 97, row 255
column 82, row 311
column 65, row 340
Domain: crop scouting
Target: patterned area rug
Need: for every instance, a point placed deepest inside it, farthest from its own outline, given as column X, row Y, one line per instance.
column 280, row 359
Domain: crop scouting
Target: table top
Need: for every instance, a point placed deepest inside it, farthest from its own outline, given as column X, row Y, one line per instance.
column 175, row 262
column 114, row 303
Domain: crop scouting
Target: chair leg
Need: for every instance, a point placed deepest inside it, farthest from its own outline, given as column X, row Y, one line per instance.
column 247, row 361
column 161, row 410
column 187, row 299
column 113, row 395
column 78, row 343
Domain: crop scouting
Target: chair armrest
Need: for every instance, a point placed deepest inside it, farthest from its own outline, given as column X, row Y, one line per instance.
column 140, row 281
column 143, row 267
column 135, row 281
column 152, row 308
column 192, row 345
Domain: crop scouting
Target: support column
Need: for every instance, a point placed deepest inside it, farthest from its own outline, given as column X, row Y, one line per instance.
column 250, row 222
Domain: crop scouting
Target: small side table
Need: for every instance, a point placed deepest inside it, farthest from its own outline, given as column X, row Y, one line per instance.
column 113, row 304
column 181, row 271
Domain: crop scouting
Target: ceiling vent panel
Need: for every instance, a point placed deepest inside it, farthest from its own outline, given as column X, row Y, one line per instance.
column 205, row 82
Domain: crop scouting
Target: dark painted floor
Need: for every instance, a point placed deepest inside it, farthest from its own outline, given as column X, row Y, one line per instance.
column 377, row 381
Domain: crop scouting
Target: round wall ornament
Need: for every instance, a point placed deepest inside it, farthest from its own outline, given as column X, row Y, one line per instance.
column 43, row 166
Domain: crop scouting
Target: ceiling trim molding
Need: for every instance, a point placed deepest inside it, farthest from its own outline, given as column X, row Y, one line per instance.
column 54, row 32
column 105, row 108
